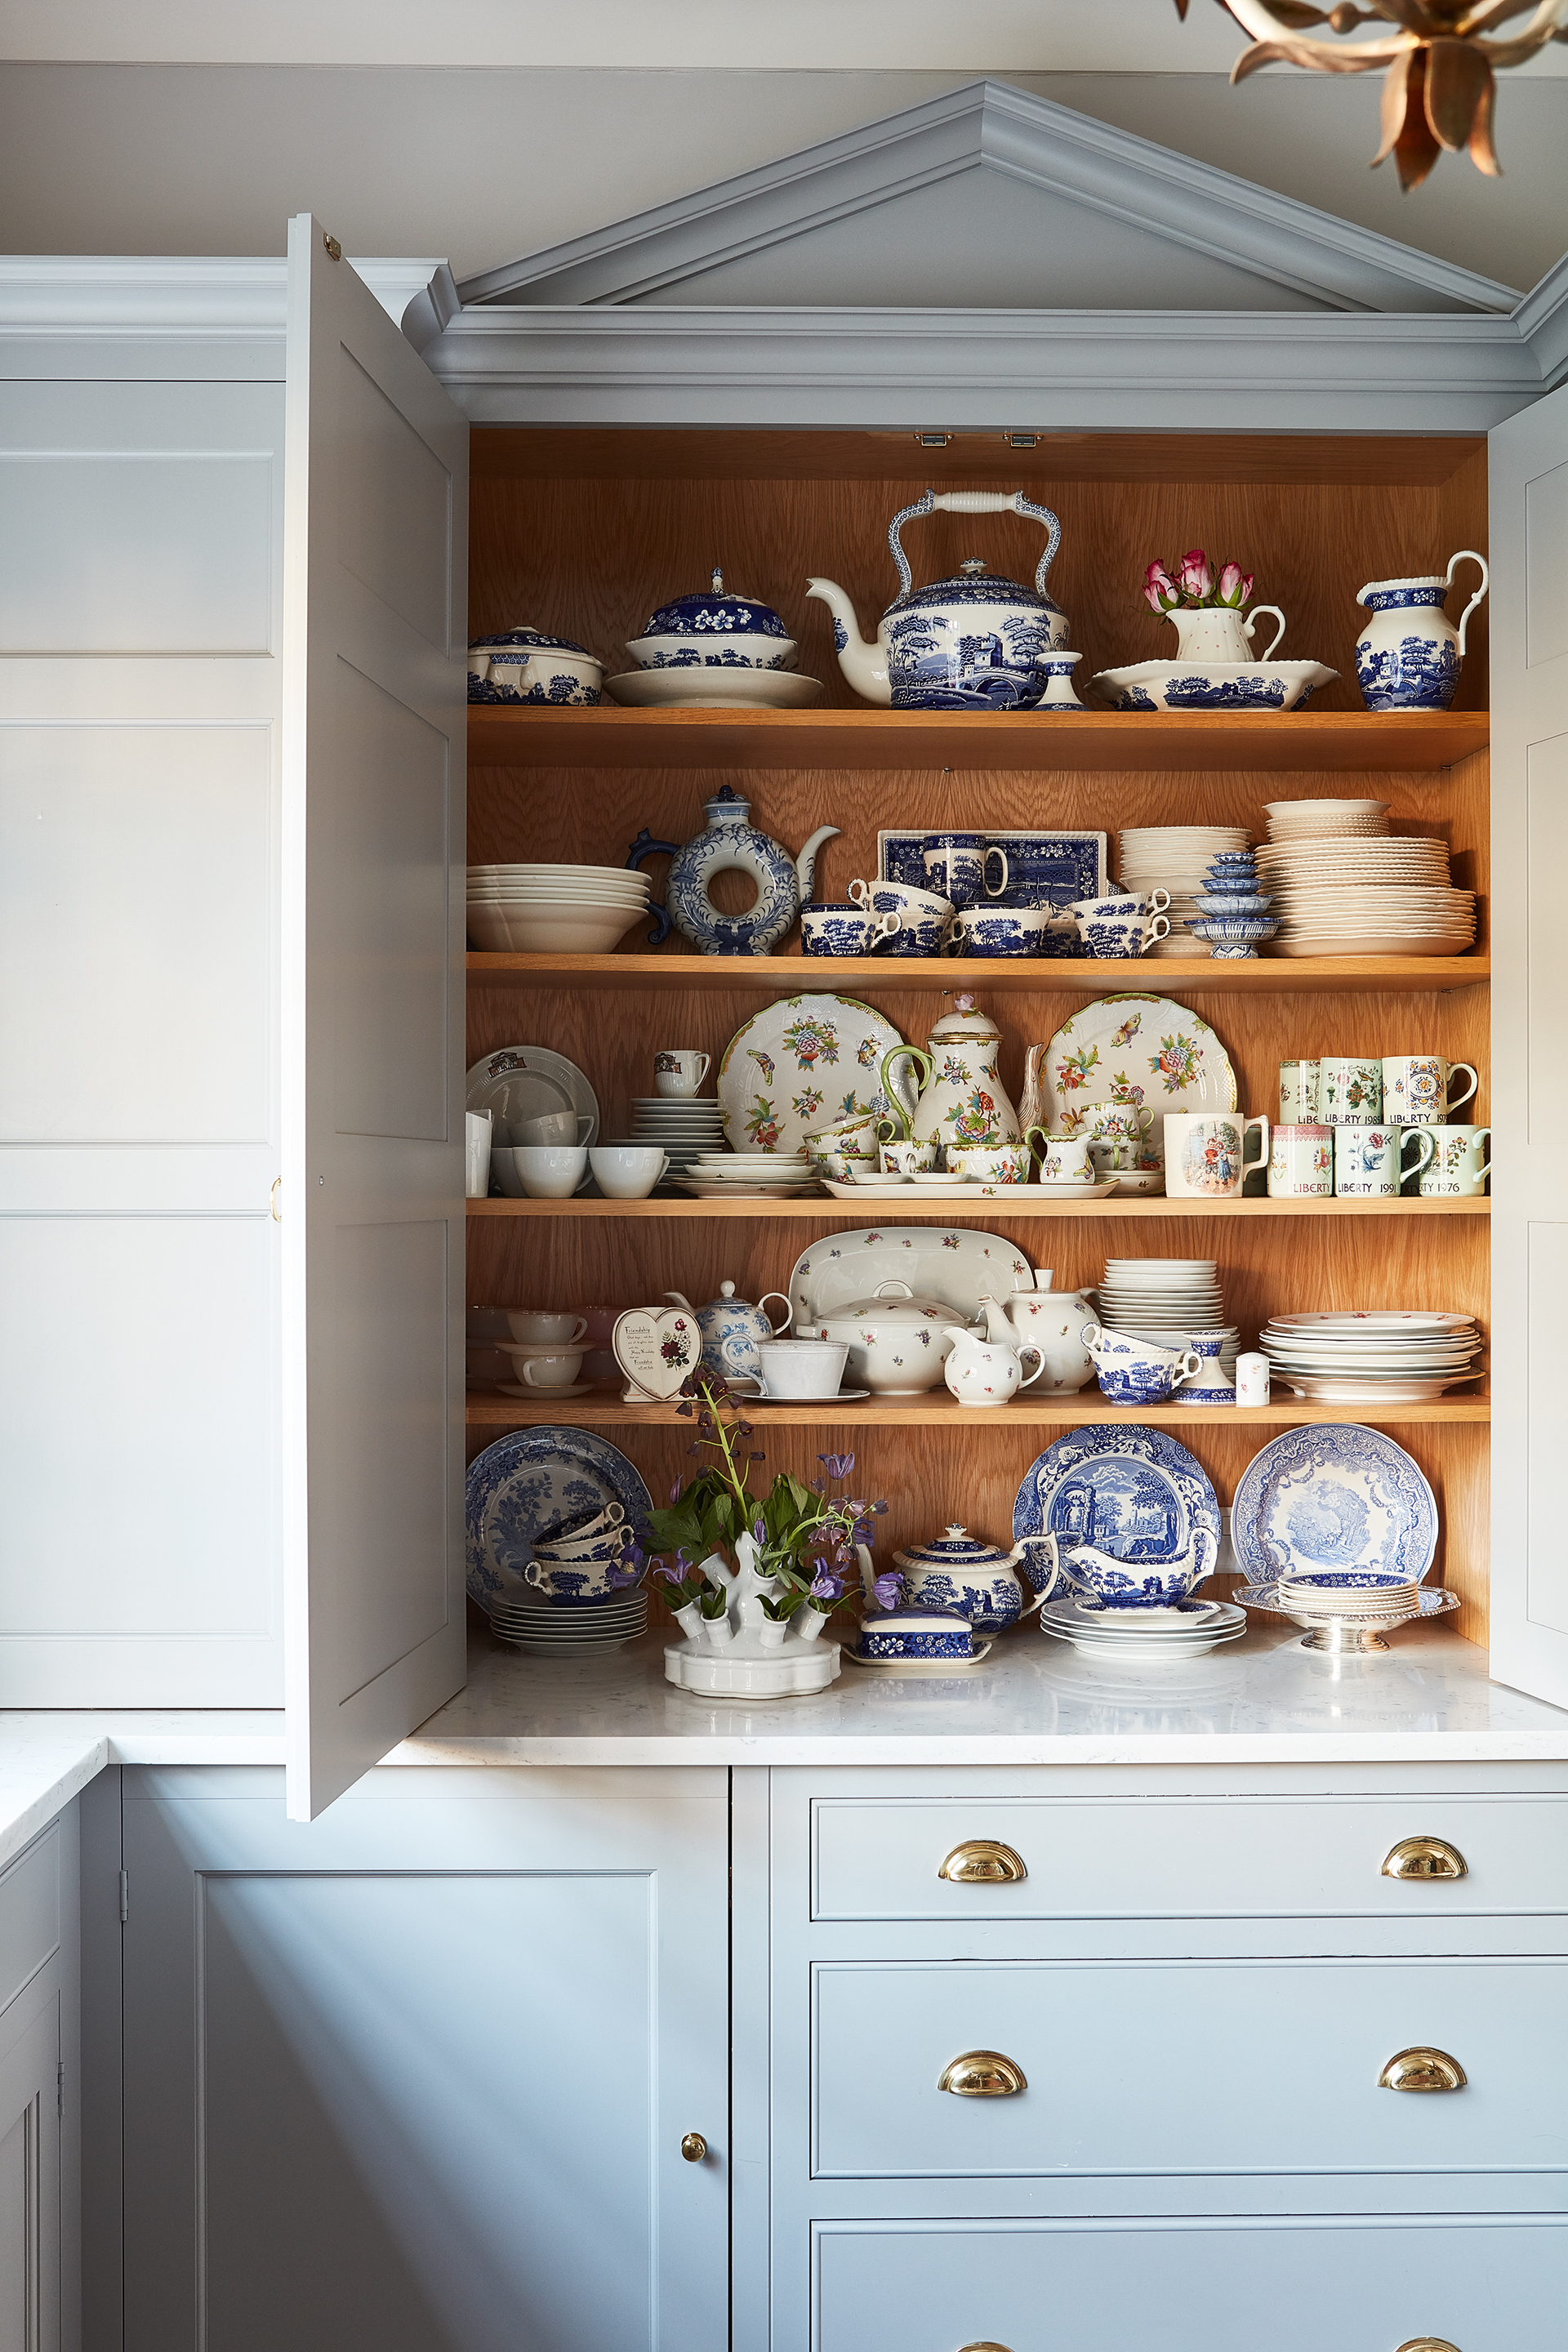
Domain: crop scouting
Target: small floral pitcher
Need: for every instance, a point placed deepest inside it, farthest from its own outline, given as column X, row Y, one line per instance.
column 1408, row 656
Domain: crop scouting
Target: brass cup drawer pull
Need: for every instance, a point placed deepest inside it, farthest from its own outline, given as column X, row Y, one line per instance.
column 1425, row 1857
column 1428, row 2344
column 1008, row 2348
column 982, row 2074
column 1422, row 2069
column 983, row 1862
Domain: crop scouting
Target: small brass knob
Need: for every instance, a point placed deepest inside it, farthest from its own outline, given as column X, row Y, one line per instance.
column 1008, row 2348
column 983, row 1862
column 982, row 2074
column 1425, row 1857
column 694, row 2147
column 1428, row 2344
column 1422, row 2069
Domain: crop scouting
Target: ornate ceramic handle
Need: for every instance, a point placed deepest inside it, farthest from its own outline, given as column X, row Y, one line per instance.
column 925, row 1070
column 1250, row 622
column 977, row 502
column 1469, row 555
column 645, row 846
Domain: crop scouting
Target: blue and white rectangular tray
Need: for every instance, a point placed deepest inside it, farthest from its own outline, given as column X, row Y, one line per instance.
column 1053, row 868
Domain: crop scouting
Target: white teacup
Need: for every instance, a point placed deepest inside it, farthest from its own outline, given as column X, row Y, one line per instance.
column 992, row 1164
column 1419, row 1088
column 679, row 1070
column 550, row 1127
column 1459, row 1165
column 546, row 1171
column 858, row 1136
column 538, row 1327
column 1205, row 1153
column 542, row 1368
column 806, row 1369
column 841, row 1167
column 627, row 1172
column 1369, row 1159
column 910, row 1157
column 1115, row 1122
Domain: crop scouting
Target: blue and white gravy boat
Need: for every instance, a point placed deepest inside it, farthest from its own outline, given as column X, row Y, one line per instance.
column 1140, row 1583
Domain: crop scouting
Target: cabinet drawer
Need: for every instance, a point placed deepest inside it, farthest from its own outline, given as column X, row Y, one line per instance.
column 1220, row 2286
column 1188, row 2067
column 1173, row 1857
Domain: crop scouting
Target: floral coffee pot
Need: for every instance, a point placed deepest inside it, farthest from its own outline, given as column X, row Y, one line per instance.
column 1408, row 656
column 980, row 1580
column 1053, row 1321
column 951, row 1093
column 975, row 642
column 734, row 1329
column 730, row 844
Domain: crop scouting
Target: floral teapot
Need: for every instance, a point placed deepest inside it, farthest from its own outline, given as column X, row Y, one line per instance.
column 976, row 642
column 734, row 1329
column 953, row 1094
column 730, row 843
column 1053, row 1321
column 1409, row 654
column 978, row 1580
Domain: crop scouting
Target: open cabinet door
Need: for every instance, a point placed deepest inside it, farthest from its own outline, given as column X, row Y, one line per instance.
column 1528, row 502
column 371, row 1203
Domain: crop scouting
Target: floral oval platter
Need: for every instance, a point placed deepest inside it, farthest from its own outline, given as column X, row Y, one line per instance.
column 958, row 1267
column 798, row 1065
column 1334, row 1496
column 1144, row 1051
column 529, row 1482
column 1128, row 1490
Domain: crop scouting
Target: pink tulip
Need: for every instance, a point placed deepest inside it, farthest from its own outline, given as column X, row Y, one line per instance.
column 1245, row 588
column 1194, row 577
column 1160, row 588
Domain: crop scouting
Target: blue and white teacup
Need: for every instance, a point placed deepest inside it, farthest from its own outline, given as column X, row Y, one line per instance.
column 846, row 928
column 958, row 863
column 924, row 917
column 1119, row 906
column 1121, row 936
column 993, row 930
column 1135, row 1372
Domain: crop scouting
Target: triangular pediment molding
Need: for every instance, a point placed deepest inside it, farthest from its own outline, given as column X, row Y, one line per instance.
column 987, row 185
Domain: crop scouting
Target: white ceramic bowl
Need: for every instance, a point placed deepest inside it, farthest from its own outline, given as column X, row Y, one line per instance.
column 566, row 930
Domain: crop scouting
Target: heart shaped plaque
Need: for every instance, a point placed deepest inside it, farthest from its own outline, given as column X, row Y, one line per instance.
column 656, row 1348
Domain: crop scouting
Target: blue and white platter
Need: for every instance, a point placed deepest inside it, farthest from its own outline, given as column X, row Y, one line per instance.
column 530, row 1482
column 1330, row 1497
column 1043, row 868
column 1129, row 1490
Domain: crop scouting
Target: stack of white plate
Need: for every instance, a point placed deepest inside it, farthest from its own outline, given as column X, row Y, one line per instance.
column 553, row 910
column 714, row 1174
column 1315, row 820
column 687, row 1131
column 1372, row 1359
column 1175, row 857
column 1187, row 1630
column 550, row 1629
column 1365, row 895
column 1161, row 1299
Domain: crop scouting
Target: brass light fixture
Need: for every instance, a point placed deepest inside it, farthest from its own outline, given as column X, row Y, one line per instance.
column 1439, row 89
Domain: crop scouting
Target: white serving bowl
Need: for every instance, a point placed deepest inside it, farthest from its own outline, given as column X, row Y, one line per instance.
column 1176, row 685
column 568, row 930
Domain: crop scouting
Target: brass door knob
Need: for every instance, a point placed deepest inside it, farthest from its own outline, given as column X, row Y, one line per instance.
column 1428, row 2344
column 983, row 1862
column 1422, row 2069
column 1425, row 1857
column 982, row 2074
column 694, row 2147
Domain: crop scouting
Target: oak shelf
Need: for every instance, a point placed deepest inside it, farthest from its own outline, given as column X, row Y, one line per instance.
column 488, row 1409
column 886, row 1210
column 1033, row 975
column 1090, row 741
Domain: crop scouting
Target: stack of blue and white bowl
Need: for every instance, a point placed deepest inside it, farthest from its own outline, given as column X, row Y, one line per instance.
column 1235, row 915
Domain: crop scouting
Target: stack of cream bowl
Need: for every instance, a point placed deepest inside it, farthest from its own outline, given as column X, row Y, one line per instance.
column 1343, row 885
column 562, row 1629
column 1372, row 1356
column 1162, row 1299
column 553, row 910
column 687, row 1129
column 716, row 1175
column 1176, row 857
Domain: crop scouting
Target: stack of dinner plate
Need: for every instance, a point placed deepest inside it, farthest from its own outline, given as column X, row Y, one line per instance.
column 1365, row 894
column 1122, row 1636
column 688, row 1130
column 1176, row 857
column 1315, row 820
column 714, row 1175
column 553, row 909
column 555, row 1629
column 1161, row 1299
column 1372, row 1358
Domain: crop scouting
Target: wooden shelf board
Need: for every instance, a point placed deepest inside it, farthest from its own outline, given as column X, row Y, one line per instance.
column 488, row 1410
column 1034, row 975
column 1093, row 741
column 921, row 1209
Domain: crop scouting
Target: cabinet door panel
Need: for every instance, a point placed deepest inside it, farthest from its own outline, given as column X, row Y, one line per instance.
column 30, row 2181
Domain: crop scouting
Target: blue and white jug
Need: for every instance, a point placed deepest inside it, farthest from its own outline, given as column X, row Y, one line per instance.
column 730, row 844
column 1407, row 658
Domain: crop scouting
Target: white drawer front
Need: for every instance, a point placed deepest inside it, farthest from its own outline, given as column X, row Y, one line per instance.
column 1222, row 2286
column 1173, row 1857
column 1188, row 2067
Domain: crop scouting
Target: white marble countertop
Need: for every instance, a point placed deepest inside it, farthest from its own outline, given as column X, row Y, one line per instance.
column 1264, row 1701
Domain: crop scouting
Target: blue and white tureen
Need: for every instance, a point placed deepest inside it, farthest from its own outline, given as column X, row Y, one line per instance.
column 974, row 1579
column 714, row 630
column 976, row 642
column 524, row 665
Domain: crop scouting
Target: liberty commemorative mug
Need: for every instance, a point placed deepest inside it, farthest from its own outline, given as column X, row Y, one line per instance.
column 1205, row 1153
column 1299, row 1094
column 1349, row 1088
column 1459, row 1165
column 1419, row 1088
column 1369, row 1158
column 1301, row 1162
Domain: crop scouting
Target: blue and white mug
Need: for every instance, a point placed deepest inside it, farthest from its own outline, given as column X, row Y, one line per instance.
column 846, row 928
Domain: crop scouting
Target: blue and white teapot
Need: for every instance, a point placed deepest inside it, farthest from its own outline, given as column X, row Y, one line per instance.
column 730, row 843
column 976, row 1580
column 976, row 642
column 1409, row 654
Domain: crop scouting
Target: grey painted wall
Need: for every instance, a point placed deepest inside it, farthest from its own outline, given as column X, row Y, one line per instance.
column 481, row 166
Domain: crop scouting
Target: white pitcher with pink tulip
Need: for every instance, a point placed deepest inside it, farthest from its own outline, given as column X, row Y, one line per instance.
column 1206, row 609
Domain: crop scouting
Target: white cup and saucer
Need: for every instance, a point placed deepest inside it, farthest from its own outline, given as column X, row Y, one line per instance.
column 798, row 1372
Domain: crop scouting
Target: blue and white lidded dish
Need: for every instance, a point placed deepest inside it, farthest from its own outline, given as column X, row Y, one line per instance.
column 916, row 1633
column 713, row 631
column 1409, row 654
column 976, row 1580
column 524, row 665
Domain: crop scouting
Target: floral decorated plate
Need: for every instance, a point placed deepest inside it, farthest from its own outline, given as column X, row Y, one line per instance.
column 1129, row 1490
column 799, row 1065
column 935, row 1260
column 1140, row 1050
column 1334, row 1496
column 1212, row 685
column 529, row 1482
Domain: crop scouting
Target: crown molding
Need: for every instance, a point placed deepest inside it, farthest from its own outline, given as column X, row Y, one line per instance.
column 1542, row 320
column 994, row 126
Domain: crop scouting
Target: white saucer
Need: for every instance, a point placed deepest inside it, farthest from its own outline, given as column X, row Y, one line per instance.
column 542, row 1396
column 842, row 1396
column 715, row 689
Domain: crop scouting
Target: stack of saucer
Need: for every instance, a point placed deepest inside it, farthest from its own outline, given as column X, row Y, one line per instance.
column 1319, row 820
column 1163, row 1298
column 1187, row 1630
column 556, row 1629
column 684, row 1129
column 713, row 1175
column 1395, row 1357
column 1176, row 857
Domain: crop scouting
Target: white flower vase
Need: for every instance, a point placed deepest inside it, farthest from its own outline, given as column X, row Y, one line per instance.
column 747, row 1654
column 774, row 1632
column 690, row 1619
column 1218, row 633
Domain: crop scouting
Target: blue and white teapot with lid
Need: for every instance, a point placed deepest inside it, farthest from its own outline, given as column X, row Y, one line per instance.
column 976, row 1580
column 976, row 642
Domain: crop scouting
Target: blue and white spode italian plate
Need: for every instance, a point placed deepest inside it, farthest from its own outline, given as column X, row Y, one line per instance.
column 526, row 1485
column 1333, row 1496
column 1131, row 1491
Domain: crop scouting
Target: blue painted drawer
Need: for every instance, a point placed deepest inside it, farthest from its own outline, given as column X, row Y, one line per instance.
column 1142, row 1856
column 1220, row 2286
column 1188, row 2067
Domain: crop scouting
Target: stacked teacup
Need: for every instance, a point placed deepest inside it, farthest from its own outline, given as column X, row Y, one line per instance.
column 1123, row 924
column 545, row 1352
column 682, row 1124
column 587, row 1596
column 1235, row 915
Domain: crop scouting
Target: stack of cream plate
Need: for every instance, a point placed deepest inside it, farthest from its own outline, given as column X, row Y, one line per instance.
column 1316, row 820
column 712, row 1175
column 553, row 910
column 1365, row 895
column 1161, row 1299
column 1175, row 857
column 686, row 1130
column 1372, row 1359
column 556, row 1629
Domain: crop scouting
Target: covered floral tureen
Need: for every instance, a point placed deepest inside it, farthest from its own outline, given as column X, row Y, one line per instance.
column 527, row 664
column 713, row 630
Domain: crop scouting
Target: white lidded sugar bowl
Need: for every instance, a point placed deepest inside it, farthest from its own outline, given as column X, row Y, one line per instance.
column 979, row 1580
column 1409, row 654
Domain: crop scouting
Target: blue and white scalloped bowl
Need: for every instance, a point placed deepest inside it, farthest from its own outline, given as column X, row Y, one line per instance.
column 1212, row 685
